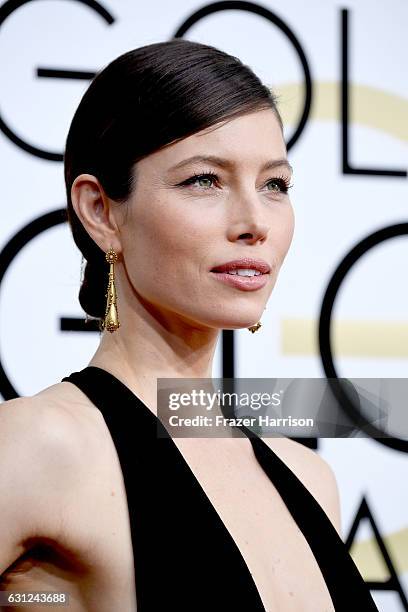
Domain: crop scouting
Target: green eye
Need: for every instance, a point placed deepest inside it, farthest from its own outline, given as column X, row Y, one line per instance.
column 204, row 181
column 279, row 185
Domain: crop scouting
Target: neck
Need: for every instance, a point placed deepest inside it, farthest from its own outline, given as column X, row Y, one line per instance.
column 150, row 345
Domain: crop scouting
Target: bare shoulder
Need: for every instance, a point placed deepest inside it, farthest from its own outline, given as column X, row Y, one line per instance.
column 56, row 421
column 313, row 471
column 46, row 442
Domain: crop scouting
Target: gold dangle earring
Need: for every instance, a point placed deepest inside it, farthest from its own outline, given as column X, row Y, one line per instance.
column 255, row 327
column 111, row 322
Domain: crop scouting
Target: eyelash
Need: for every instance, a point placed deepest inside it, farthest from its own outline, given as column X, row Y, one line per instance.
column 281, row 180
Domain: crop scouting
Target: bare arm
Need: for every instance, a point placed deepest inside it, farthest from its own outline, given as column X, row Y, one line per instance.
column 36, row 467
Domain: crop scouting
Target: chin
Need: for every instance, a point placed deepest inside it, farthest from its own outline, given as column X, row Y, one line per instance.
column 231, row 319
column 244, row 326
column 239, row 323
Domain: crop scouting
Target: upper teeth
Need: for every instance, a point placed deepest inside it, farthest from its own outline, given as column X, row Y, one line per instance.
column 244, row 272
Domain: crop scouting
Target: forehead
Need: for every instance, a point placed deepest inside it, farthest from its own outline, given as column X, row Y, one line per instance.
column 248, row 139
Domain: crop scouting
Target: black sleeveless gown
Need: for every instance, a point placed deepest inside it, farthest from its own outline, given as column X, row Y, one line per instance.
column 185, row 558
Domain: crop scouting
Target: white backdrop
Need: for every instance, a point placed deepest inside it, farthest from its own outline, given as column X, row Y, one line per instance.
column 334, row 210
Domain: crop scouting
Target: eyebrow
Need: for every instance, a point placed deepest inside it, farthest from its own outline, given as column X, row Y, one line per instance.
column 226, row 163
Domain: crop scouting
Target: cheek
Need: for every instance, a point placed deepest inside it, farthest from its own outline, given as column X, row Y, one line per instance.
column 288, row 222
column 282, row 230
column 170, row 241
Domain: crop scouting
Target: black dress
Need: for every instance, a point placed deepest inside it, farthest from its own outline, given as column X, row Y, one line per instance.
column 185, row 558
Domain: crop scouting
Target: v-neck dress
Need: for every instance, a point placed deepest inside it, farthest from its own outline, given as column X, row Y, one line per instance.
column 184, row 556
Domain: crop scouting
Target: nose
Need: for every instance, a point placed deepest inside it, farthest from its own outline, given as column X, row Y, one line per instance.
column 249, row 222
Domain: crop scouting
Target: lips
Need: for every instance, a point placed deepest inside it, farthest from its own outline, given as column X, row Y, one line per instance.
column 246, row 263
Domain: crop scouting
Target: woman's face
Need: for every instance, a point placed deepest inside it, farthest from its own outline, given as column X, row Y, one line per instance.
column 178, row 228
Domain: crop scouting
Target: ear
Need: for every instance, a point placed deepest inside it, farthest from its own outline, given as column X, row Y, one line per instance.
column 95, row 211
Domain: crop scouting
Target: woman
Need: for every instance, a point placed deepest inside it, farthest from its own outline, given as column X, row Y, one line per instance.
column 175, row 164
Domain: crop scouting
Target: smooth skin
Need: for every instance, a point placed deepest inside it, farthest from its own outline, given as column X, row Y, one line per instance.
column 61, row 487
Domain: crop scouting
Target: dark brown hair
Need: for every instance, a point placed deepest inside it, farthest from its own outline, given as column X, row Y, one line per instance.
column 140, row 102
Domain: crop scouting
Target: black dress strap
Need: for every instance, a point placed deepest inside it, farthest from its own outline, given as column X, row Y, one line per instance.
column 346, row 585
column 185, row 558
